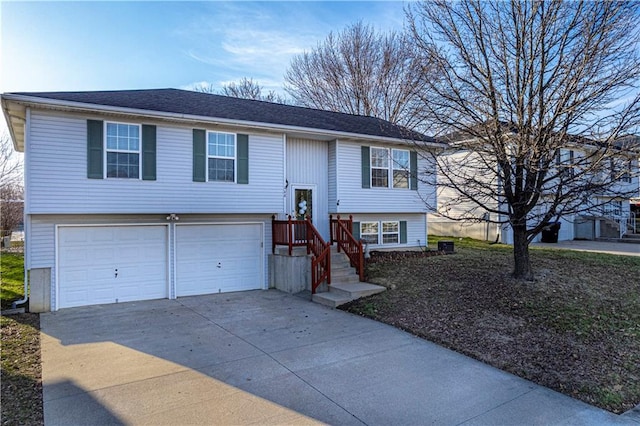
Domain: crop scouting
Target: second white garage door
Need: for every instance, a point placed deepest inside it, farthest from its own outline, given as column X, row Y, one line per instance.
column 218, row 258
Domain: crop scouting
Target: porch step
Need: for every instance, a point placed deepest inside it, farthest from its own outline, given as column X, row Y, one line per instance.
column 341, row 293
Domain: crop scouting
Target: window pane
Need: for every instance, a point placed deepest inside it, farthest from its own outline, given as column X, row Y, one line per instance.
column 379, row 178
column 221, row 170
column 123, row 165
column 389, row 226
column 400, row 159
column 134, row 132
column 370, row 239
column 389, row 238
column 400, row 179
column 221, row 145
column 369, row 228
column 134, row 143
column 379, row 157
column 112, row 129
column 123, row 130
column 112, row 142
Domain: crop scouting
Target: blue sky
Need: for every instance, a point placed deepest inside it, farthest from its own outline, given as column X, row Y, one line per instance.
column 59, row 46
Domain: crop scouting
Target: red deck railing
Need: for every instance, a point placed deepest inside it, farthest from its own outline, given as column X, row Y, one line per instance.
column 300, row 233
column 342, row 233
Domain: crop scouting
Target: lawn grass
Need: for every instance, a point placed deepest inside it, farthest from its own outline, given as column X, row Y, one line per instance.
column 21, row 372
column 575, row 329
column 11, row 278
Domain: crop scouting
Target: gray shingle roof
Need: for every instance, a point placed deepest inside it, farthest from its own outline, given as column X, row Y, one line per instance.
column 216, row 106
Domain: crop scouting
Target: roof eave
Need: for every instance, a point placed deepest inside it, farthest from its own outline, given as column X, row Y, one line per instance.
column 34, row 101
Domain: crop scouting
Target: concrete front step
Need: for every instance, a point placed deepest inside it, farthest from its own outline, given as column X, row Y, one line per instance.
column 341, row 293
column 624, row 239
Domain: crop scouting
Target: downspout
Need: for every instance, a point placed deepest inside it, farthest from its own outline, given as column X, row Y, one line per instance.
column 25, row 208
column 284, row 174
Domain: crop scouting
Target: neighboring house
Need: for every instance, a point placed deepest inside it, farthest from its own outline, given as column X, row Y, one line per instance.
column 147, row 194
column 605, row 214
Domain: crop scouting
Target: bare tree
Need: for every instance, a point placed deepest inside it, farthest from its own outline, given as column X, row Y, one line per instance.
column 360, row 71
column 10, row 162
column 11, row 190
column 539, row 95
column 245, row 88
column 11, row 208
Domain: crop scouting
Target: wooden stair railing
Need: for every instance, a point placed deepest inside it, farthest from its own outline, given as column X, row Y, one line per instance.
column 342, row 233
column 298, row 233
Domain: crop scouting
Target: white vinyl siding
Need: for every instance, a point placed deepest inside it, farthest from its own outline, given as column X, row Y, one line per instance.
column 354, row 198
column 57, row 159
column 333, row 183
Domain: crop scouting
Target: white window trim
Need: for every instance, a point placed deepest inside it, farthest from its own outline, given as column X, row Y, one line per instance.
column 234, row 158
column 377, row 234
column 393, row 168
column 382, row 233
column 390, row 168
column 371, row 167
column 106, row 150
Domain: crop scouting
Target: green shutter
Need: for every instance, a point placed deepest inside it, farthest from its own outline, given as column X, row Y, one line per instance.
column 148, row 152
column 356, row 230
column 366, row 167
column 403, row 232
column 243, row 159
column 95, row 141
column 413, row 170
column 199, row 155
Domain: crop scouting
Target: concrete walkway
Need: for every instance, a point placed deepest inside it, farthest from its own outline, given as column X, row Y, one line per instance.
column 266, row 357
column 626, row 249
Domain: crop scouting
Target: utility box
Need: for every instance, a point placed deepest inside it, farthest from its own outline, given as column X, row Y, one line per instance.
column 445, row 246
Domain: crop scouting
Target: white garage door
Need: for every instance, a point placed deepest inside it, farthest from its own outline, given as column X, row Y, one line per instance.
column 218, row 258
column 110, row 264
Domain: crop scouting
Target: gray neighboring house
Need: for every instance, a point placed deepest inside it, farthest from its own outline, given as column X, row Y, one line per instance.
column 146, row 194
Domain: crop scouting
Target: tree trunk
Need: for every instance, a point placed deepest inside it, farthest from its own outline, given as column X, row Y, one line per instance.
column 522, row 263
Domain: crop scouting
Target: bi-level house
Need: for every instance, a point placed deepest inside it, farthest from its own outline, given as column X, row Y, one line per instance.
column 146, row 194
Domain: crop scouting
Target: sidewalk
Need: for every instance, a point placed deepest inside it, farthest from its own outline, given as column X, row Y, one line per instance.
column 625, row 249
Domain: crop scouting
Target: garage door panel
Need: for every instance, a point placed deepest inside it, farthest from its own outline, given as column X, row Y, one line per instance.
column 89, row 256
column 218, row 258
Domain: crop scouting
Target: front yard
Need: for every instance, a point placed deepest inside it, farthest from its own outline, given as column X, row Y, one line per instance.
column 20, row 375
column 576, row 329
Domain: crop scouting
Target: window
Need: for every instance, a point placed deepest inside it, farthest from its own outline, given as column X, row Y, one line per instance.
column 384, row 232
column 221, row 156
column 613, row 208
column 400, row 168
column 390, row 232
column 386, row 173
column 379, row 168
column 369, row 232
column 123, row 151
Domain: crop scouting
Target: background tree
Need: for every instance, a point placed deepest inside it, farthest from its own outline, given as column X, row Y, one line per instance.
column 11, row 189
column 360, row 71
column 521, row 83
column 245, row 88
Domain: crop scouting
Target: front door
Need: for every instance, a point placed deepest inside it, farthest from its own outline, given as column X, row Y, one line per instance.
column 302, row 202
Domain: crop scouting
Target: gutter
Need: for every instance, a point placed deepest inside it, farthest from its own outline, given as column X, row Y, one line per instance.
column 84, row 107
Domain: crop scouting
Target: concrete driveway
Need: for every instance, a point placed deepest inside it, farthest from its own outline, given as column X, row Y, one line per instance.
column 266, row 357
